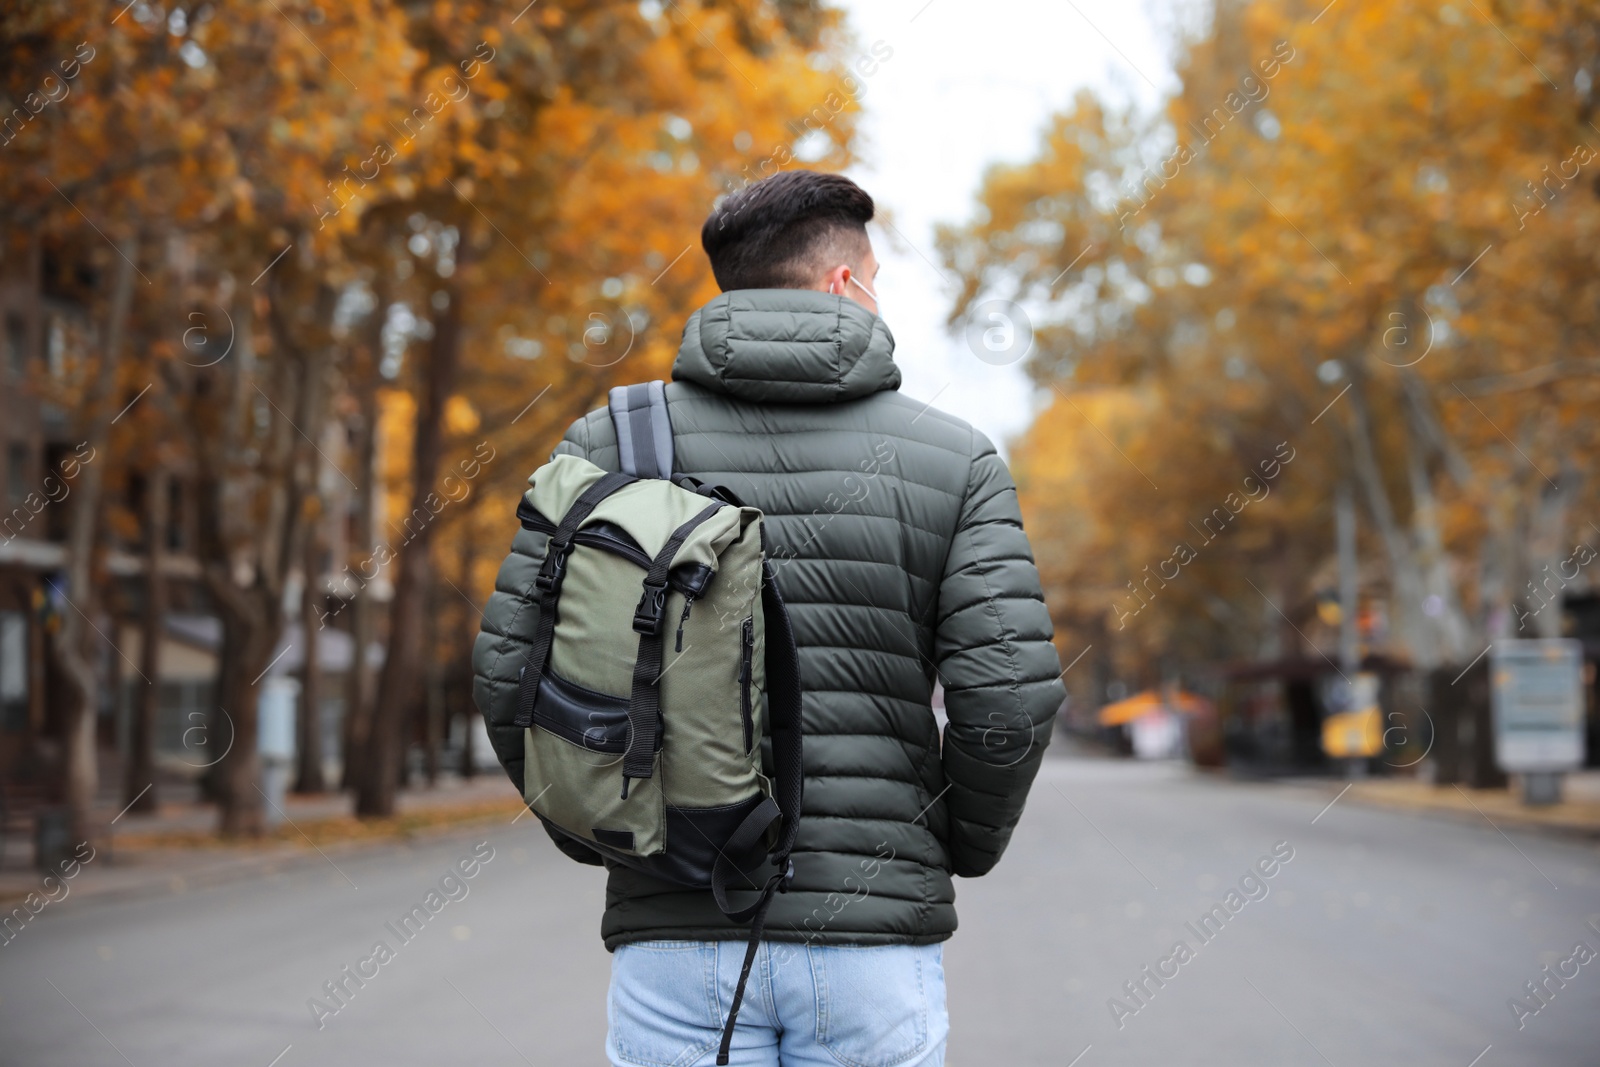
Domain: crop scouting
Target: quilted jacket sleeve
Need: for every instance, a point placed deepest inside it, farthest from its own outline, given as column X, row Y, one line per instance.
column 998, row 666
column 502, row 644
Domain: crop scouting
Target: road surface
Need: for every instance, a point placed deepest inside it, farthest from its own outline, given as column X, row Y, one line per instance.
column 1383, row 938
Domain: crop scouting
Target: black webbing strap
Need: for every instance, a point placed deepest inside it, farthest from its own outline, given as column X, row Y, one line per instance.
column 758, row 925
column 551, row 573
column 741, row 843
column 783, row 710
column 644, row 709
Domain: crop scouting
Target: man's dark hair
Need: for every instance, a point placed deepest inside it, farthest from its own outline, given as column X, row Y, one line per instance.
column 783, row 232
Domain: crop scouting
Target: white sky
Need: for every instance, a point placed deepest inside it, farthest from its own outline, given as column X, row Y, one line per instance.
column 971, row 84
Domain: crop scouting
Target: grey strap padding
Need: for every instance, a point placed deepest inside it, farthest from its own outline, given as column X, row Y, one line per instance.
column 644, row 434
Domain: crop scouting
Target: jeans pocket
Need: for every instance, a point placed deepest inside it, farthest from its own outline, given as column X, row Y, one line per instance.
column 872, row 1003
column 663, row 1008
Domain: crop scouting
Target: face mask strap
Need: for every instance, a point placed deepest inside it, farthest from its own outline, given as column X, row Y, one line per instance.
column 864, row 289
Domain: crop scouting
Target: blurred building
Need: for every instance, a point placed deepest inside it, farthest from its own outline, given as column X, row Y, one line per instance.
column 37, row 330
column 44, row 333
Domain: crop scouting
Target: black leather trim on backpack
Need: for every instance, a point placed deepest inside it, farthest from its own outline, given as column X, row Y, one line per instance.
column 593, row 720
column 614, row 838
column 697, row 836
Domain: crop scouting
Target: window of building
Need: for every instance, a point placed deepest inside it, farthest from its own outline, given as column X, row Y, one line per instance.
column 16, row 345
column 13, row 671
column 16, row 473
column 56, row 353
column 177, row 516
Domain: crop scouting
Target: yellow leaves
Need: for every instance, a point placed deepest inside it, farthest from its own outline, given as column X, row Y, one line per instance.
column 579, row 162
column 397, row 413
column 1397, row 146
column 460, row 417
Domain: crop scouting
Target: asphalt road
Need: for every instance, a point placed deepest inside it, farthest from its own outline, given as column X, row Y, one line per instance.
column 1386, row 939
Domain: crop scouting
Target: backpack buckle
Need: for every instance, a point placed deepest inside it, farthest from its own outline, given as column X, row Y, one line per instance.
column 652, row 607
column 553, row 569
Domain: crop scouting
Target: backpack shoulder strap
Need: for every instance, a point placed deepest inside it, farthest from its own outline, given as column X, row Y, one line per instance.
column 783, row 709
column 644, row 433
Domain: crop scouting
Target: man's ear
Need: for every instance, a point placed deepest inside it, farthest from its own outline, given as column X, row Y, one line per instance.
column 836, row 280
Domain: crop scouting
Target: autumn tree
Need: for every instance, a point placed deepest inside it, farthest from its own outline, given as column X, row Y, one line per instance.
column 462, row 207
column 1365, row 234
column 598, row 136
column 211, row 128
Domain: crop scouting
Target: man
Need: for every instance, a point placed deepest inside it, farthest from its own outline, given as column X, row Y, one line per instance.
column 898, row 546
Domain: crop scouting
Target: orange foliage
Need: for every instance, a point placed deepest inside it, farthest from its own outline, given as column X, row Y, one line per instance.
column 1329, row 240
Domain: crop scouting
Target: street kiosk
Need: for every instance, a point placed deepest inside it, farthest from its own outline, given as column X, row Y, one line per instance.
column 1536, row 694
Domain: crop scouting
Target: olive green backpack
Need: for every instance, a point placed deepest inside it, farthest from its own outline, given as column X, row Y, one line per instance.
column 654, row 629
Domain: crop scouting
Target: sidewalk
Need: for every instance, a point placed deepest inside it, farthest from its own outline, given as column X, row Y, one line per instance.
column 177, row 848
column 1577, row 814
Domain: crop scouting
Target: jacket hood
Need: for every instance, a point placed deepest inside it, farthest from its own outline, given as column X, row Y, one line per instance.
column 787, row 346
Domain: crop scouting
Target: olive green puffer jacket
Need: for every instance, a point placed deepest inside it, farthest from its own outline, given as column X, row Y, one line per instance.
column 899, row 549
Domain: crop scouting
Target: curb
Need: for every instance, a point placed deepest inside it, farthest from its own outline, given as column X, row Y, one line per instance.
column 1562, row 821
column 206, row 866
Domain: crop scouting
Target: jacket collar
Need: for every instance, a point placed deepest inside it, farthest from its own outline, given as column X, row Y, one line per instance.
column 787, row 346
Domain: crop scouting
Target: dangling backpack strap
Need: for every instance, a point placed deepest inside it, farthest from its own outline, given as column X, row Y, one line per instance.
column 783, row 709
column 644, row 434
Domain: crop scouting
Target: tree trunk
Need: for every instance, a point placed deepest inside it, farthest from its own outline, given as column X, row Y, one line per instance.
column 252, row 609
column 1548, row 547
column 469, row 755
column 433, row 700
column 469, row 559
column 250, row 630
column 1349, row 578
column 1425, row 436
column 357, row 732
column 71, row 644
column 308, row 740
column 222, row 497
column 1405, row 575
column 400, row 676
column 1448, row 620
column 233, row 733
column 139, row 786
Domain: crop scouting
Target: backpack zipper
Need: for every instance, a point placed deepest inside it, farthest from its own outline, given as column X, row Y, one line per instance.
column 688, row 602
column 747, row 645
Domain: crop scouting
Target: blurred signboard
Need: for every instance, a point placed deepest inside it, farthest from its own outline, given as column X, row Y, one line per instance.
column 1536, row 693
column 275, row 734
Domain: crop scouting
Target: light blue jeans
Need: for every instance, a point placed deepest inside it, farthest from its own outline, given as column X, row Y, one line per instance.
column 804, row 1005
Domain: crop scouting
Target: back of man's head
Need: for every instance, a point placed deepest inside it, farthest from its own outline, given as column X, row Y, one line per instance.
column 787, row 231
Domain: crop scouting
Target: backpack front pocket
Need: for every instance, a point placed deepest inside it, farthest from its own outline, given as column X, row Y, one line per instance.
column 573, row 768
